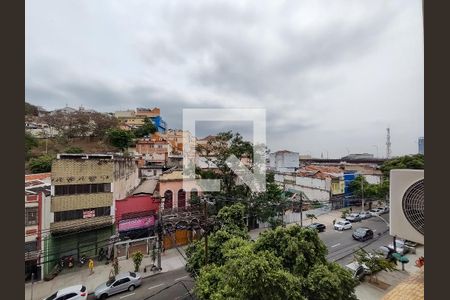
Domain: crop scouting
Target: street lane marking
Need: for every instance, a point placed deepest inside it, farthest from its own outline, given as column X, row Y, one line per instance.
column 181, row 278
column 127, row 295
column 335, row 245
column 155, row 286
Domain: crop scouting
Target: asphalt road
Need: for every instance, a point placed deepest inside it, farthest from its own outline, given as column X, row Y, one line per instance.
column 162, row 286
column 340, row 244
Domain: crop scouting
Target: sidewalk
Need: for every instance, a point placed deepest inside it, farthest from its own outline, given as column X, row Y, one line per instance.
column 368, row 291
column 170, row 260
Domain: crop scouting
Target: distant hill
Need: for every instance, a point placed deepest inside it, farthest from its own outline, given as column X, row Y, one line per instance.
column 31, row 110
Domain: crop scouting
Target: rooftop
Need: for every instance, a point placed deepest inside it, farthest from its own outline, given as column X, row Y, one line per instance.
column 40, row 176
column 146, row 187
column 412, row 288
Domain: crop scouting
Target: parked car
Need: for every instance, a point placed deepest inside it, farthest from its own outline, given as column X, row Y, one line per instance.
column 399, row 247
column 353, row 217
column 363, row 234
column 365, row 215
column 122, row 282
column 76, row 292
column 375, row 212
column 385, row 209
column 358, row 271
column 318, row 226
column 342, row 225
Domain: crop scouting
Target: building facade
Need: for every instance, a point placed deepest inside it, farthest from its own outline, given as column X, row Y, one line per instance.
column 84, row 189
column 133, row 119
column 155, row 149
column 172, row 189
column 422, row 145
column 284, row 161
column 37, row 217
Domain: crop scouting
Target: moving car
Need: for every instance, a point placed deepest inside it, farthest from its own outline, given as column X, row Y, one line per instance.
column 342, row 225
column 365, row 215
column 318, row 226
column 353, row 217
column 76, row 292
column 123, row 282
column 363, row 234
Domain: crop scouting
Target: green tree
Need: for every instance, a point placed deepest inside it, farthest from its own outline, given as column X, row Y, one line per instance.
column 146, row 129
column 137, row 260
column 370, row 191
column 330, row 281
column 41, row 164
column 268, row 206
column 30, row 143
column 248, row 275
column 374, row 261
column 299, row 248
column 404, row 162
column 74, row 150
column 344, row 213
column 233, row 215
column 312, row 217
column 31, row 110
column 232, row 226
column 119, row 138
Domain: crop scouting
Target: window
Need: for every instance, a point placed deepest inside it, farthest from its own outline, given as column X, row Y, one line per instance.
column 30, row 246
column 69, row 296
column 78, row 214
column 74, row 189
column 31, row 217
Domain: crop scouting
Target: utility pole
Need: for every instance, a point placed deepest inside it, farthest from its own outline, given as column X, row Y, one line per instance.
column 205, row 211
column 301, row 209
column 362, row 191
column 160, row 233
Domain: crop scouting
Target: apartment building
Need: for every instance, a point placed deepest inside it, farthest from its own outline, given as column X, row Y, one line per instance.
column 84, row 188
column 37, row 217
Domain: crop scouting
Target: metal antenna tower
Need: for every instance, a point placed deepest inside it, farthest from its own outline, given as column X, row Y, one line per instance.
column 388, row 143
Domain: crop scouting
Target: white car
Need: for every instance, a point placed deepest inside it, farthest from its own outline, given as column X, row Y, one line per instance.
column 399, row 247
column 365, row 215
column 76, row 292
column 375, row 211
column 342, row 225
column 385, row 209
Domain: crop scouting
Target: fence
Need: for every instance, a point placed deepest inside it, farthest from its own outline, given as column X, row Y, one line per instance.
column 123, row 250
column 294, row 217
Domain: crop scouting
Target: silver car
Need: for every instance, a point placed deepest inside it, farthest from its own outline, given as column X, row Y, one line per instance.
column 122, row 282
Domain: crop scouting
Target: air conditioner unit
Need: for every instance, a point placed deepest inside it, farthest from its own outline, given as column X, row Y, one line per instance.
column 407, row 205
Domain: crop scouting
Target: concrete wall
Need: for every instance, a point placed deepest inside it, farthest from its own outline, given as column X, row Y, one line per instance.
column 81, row 201
column 373, row 179
column 82, row 171
column 284, row 161
column 314, row 188
column 310, row 193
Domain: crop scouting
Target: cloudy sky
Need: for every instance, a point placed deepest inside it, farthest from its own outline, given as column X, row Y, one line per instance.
column 332, row 75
